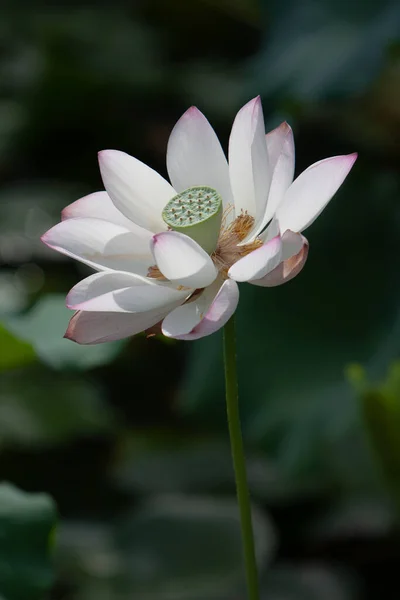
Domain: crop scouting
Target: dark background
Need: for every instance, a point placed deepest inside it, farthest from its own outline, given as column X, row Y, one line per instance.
column 130, row 438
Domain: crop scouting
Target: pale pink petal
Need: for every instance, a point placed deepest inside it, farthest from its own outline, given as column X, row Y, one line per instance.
column 138, row 191
column 275, row 140
column 210, row 311
column 96, row 206
column 283, row 169
column 195, row 156
column 295, row 253
column 102, row 245
column 249, row 167
column 181, row 260
column 99, row 327
column 116, row 291
column 259, row 262
column 311, row 191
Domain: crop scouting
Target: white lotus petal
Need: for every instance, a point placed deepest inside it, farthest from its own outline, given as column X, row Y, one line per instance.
column 116, row 291
column 294, row 255
column 102, row 245
column 271, row 231
column 182, row 261
column 138, row 191
column 274, row 141
column 96, row 206
column 210, row 311
column 248, row 160
column 259, row 262
column 283, row 170
column 311, row 191
column 195, row 156
column 292, row 243
column 99, row 327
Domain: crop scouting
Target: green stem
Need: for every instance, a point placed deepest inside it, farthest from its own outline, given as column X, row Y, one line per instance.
column 239, row 463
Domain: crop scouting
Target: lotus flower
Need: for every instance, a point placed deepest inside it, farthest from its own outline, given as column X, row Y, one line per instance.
column 173, row 253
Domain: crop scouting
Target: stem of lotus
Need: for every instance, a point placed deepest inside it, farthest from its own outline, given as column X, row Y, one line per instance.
column 239, row 463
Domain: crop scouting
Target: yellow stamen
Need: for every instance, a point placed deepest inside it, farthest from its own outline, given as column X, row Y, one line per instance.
column 228, row 250
column 155, row 273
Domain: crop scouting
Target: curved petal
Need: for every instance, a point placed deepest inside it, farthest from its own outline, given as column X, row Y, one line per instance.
column 138, row 191
column 248, row 160
column 311, row 191
column 182, row 261
column 283, row 169
column 204, row 315
column 96, row 206
column 97, row 327
column 116, row 291
column 271, row 231
column 295, row 253
column 259, row 262
column 195, row 156
column 275, row 139
column 102, row 245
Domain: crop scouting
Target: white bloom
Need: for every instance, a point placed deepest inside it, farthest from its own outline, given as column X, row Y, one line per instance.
column 148, row 271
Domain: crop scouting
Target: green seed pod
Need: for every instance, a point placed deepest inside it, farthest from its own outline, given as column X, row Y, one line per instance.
column 196, row 212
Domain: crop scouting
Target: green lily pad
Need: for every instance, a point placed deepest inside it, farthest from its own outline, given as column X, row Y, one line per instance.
column 41, row 407
column 27, row 523
column 14, row 352
column 44, row 327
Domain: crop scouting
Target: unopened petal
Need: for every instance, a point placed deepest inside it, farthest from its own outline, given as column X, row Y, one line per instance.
column 311, row 191
column 182, row 261
column 138, row 191
column 206, row 314
column 102, row 245
column 249, row 168
column 116, row 291
column 259, row 262
column 195, row 156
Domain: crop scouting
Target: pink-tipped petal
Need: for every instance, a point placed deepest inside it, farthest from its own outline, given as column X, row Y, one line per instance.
column 195, row 156
column 259, row 262
column 311, row 191
column 138, row 191
column 182, row 261
column 249, row 167
column 283, row 169
column 210, row 311
column 96, row 206
column 102, row 245
column 275, row 140
column 97, row 327
column 295, row 253
column 116, row 291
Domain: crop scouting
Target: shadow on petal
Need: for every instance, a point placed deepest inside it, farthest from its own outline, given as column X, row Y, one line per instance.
column 286, row 270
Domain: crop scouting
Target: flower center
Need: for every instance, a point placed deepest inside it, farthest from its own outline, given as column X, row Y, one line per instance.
column 196, row 212
column 228, row 250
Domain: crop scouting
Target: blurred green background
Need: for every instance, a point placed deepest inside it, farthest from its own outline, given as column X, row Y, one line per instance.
column 130, row 438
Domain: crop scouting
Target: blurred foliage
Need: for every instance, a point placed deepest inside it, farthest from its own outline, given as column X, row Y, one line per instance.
column 44, row 327
column 380, row 406
column 27, row 523
column 130, row 438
